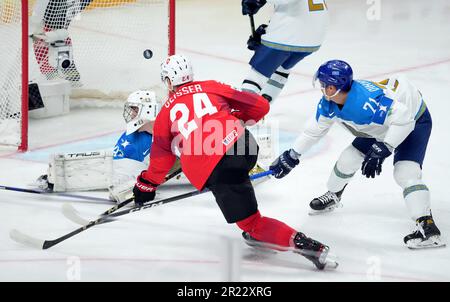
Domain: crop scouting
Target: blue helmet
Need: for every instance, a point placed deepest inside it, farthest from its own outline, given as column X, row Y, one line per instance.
column 337, row 73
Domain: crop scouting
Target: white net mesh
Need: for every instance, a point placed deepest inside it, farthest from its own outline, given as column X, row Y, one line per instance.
column 10, row 72
column 97, row 46
column 108, row 38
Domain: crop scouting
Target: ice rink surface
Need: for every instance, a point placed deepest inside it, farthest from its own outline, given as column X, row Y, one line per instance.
column 189, row 240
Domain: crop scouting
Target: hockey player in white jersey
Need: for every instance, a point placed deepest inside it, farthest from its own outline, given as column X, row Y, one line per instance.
column 115, row 169
column 296, row 30
column 386, row 117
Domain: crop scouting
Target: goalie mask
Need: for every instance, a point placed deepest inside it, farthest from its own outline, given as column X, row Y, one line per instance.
column 178, row 69
column 140, row 108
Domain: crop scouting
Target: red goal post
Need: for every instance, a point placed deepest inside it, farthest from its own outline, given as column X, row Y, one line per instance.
column 107, row 39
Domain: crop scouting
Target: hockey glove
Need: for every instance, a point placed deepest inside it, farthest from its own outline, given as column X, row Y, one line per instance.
column 255, row 40
column 143, row 190
column 284, row 164
column 374, row 159
column 251, row 7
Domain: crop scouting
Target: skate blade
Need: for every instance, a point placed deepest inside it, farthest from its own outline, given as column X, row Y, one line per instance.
column 432, row 242
column 266, row 248
column 324, row 211
column 327, row 260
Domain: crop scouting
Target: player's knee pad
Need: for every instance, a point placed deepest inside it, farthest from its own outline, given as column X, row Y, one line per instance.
column 407, row 173
column 345, row 168
column 281, row 74
column 408, row 176
column 254, row 81
column 349, row 161
column 248, row 224
column 272, row 88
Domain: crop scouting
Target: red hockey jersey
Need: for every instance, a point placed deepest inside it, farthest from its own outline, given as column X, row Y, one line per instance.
column 200, row 122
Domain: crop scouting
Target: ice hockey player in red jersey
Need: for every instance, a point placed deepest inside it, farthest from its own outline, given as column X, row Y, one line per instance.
column 203, row 122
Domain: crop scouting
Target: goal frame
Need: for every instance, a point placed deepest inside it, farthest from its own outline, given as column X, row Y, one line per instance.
column 23, row 147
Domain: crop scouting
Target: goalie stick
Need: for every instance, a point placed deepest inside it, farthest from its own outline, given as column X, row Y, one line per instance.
column 45, row 244
column 91, row 198
column 96, row 200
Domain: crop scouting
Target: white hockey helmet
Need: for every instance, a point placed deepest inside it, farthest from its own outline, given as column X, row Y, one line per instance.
column 178, row 69
column 141, row 107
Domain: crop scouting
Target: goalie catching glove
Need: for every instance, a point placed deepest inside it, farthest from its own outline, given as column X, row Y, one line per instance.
column 143, row 190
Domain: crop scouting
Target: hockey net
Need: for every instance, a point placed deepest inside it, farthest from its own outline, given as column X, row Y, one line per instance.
column 106, row 39
column 11, row 72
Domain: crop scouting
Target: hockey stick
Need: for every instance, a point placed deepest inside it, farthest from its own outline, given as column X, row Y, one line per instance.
column 98, row 200
column 72, row 214
column 171, row 199
column 45, row 244
column 252, row 25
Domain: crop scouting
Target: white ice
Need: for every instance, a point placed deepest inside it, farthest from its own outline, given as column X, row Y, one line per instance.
column 187, row 240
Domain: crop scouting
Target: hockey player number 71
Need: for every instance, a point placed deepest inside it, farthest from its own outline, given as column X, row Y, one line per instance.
column 202, row 106
column 367, row 105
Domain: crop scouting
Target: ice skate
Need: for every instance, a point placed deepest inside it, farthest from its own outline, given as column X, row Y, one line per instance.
column 425, row 235
column 311, row 249
column 325, row 203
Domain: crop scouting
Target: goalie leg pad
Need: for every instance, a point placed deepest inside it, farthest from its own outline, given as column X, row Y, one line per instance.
column 121, row 192
column 82, row 171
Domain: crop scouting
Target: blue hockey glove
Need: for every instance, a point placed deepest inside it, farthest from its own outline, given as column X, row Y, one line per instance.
column 255, row 40
column 143, row 190
column 284, row 164
column 251, row 7
column 374, row 159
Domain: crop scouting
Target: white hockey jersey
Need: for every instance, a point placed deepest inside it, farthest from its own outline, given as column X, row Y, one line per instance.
column 386, row 111
column 297, row 25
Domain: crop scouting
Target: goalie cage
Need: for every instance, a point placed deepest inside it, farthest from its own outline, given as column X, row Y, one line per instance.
column 107, row 38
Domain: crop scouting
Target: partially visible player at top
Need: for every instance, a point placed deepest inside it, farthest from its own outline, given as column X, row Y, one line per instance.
column 387, row 117
column 49, row 23
column 296, row 30
column 203, row 121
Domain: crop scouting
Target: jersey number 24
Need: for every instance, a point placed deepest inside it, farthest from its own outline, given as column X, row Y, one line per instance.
column 202, row 106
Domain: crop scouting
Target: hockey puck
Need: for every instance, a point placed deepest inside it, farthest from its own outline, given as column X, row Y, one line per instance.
column 148, row 54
